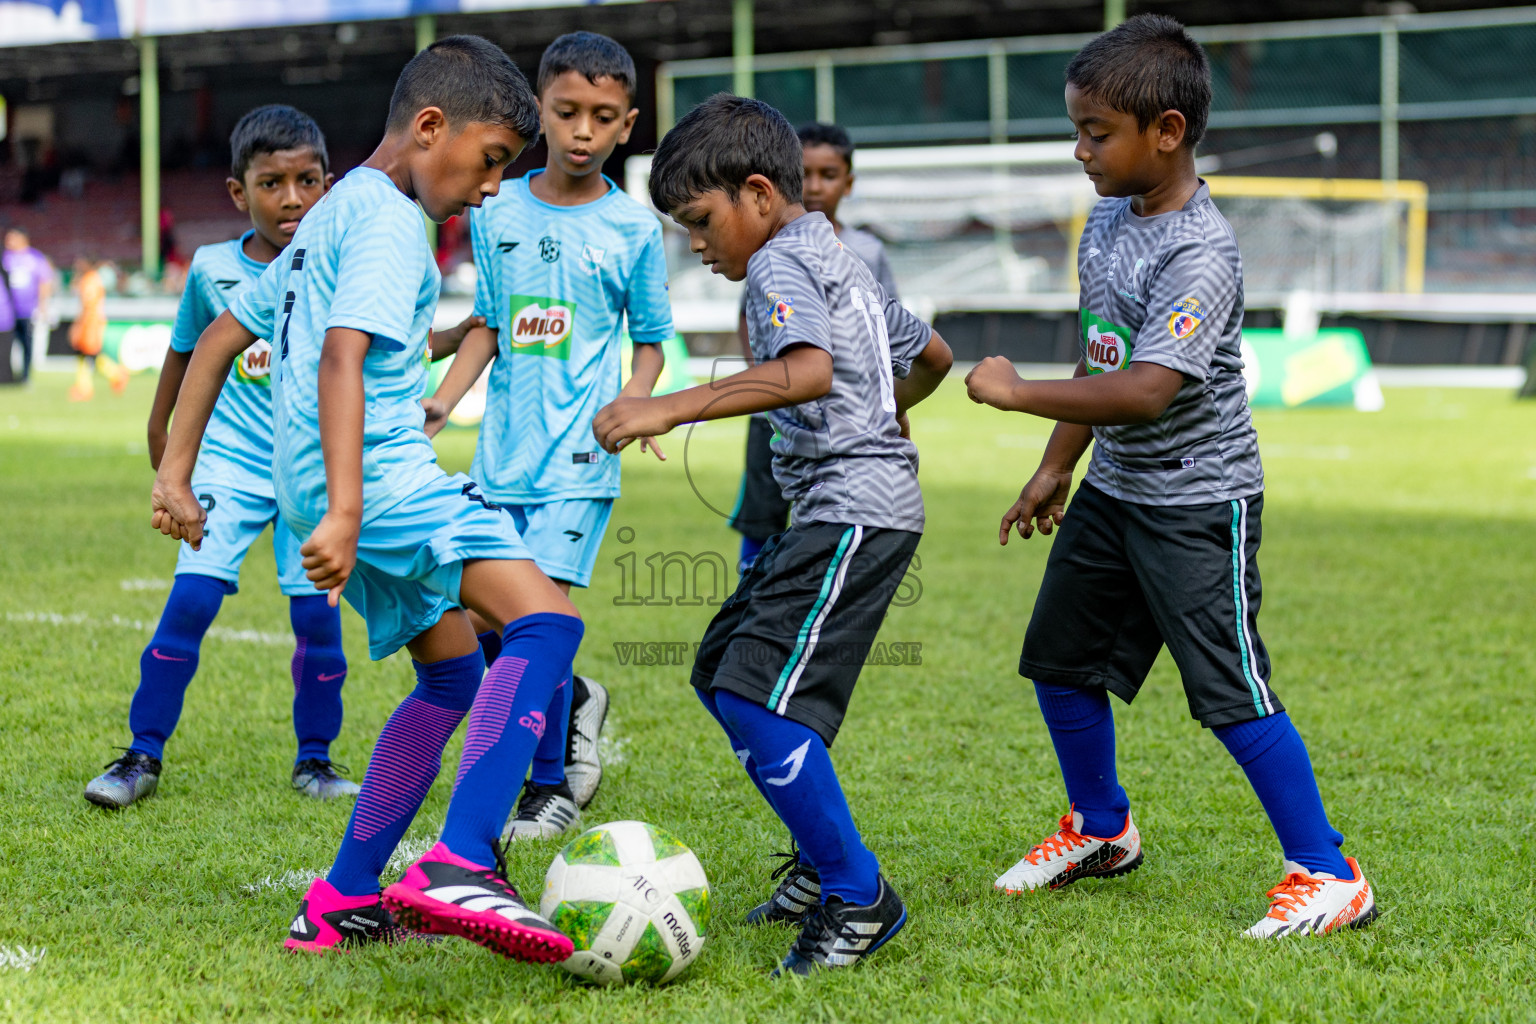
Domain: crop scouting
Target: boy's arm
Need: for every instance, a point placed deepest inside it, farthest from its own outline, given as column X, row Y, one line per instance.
column 801, row 373
column 175, row 511
column 474, row 355
column 927, row 373
column 445, row 343
column 645, row 367
column 1043, row 500
column 1136, row 394
column 330, row 553
column 172, row 372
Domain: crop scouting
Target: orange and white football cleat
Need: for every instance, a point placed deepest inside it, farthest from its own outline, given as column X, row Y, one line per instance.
column 1069, row 855
column 1304, row 904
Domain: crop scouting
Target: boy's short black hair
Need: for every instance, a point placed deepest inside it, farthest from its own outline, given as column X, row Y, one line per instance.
column 719, row 144
column 272, row 129
column 589, row 54
column 819, row 133
column 469, row 79
column 1145, row 66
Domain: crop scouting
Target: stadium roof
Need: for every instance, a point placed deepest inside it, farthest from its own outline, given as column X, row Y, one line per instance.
column 660, row 30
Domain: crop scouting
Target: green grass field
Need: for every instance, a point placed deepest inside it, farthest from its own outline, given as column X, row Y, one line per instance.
column 1398, row 558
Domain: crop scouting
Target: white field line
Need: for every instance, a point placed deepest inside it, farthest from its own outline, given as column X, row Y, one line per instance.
column 20, row 958
column 249, row 636
column 145, row 584
column 291, row 879
column 610, row 745
column 298, row 879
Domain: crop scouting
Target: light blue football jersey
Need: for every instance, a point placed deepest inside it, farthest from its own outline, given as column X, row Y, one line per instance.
column 360, row 259
column 557, row 283
column 237, row 447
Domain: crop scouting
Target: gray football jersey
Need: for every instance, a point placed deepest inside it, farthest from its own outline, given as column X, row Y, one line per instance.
column 1169, row 290
column 841, row 458
column 871, row 250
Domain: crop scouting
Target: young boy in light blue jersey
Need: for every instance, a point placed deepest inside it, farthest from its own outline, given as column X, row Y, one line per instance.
column 349, row 306
column 279, row 170
column 565, row 260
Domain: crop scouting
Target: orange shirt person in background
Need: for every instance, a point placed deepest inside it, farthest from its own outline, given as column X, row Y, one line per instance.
column 87, row 333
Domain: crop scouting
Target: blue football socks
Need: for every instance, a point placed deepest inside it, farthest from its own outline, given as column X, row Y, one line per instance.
column 167, row 665
column 507, row 722
column 405, row 762
column 490, row 644
column 793, row 763
column 1082, row 730
column 549, row 756
column 707, row 698
column 1275, row 760
column 750, row 549
column 319, row 671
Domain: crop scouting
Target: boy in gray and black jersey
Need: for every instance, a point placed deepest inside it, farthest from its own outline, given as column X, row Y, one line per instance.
column 762, row 511
column 1160, row 542
column 837, row 364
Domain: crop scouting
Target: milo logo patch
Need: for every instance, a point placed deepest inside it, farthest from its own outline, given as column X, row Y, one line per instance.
column 1106, row 346
column 540, row 326
column 255, row 365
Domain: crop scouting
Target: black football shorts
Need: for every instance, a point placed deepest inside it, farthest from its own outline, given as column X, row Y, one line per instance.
column 794, row 635
column 1123, row 579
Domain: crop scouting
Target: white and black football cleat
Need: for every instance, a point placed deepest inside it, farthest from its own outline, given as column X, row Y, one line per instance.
column 542, row 812
column 840, row 934
column 583, row 762
column 799, row 893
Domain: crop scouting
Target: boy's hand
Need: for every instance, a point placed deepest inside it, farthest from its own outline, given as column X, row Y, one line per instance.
column 175, row 512
column 992, row 382
column 1041, row 504
column 330, row 554
column 650, row 443
column 903, row 426
column 625, row 420
column 437, row 416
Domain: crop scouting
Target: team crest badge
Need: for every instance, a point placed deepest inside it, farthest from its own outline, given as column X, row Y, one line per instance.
column 549, row 249
column 1187, row 315
column 780, row 309
column 592, row 257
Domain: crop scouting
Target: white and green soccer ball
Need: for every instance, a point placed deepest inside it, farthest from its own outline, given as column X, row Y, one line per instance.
column 632, row 898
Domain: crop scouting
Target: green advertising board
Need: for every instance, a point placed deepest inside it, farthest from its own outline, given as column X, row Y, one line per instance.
column 1328, row 368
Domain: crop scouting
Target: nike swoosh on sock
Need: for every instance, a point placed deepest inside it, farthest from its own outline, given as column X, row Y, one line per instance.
column 165, row 657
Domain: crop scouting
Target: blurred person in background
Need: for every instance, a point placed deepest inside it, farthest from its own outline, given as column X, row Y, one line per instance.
column 87, row 333
column 29, row 275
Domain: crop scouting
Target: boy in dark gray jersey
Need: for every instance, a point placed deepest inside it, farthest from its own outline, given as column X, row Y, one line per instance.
column 761, row 510
column 837, row 364
column 1159, row 544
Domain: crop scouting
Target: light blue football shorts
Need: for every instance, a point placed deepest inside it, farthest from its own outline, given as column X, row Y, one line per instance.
column 564, row 536
column 410, row 559
column 236, row 517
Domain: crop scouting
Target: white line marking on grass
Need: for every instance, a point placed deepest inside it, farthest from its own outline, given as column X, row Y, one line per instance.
column 297, row 881
column 20, row 958
column 407, row 853
column 252, row 636
column 150, row 584
column 610, row 745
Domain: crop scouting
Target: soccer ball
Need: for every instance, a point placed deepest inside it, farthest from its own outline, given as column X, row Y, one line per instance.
column 632, row 898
